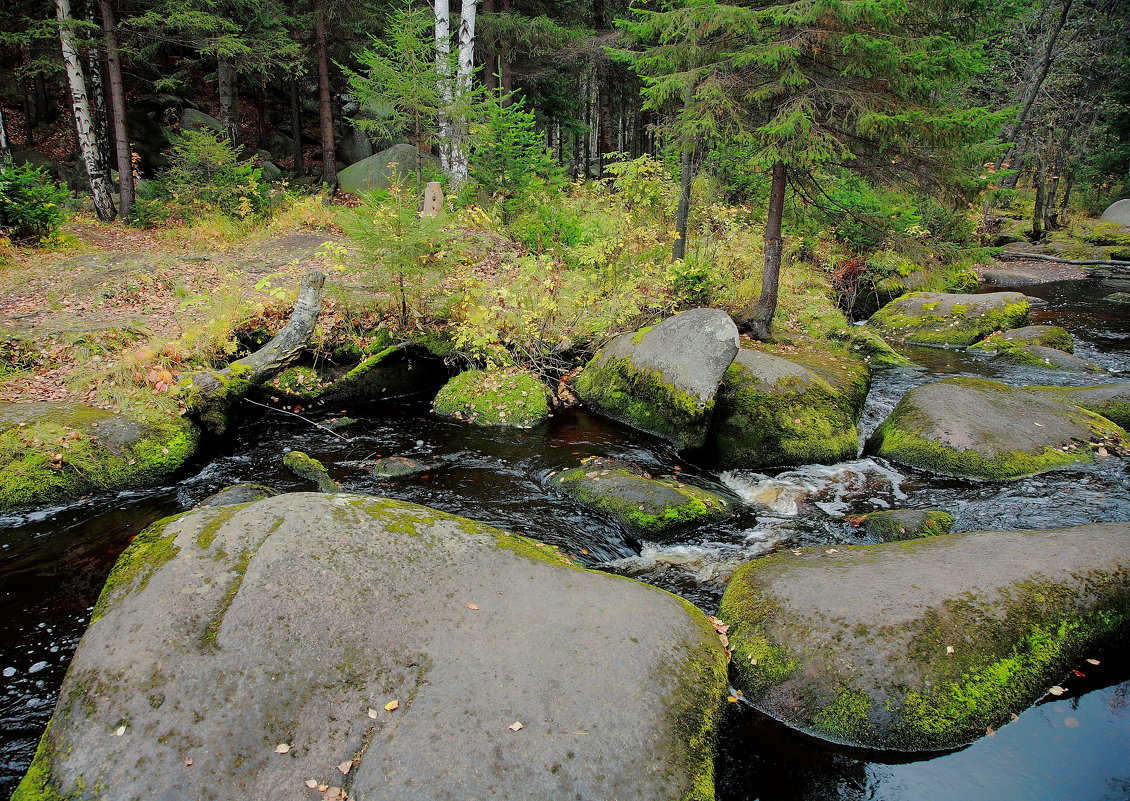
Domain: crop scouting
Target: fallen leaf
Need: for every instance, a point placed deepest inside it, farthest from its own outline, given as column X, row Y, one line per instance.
column 473, row 606
column 516, row 726
column 345, row 766
column 311, row 783
column 118, row 732
column 731, row 699
column 1056, row 690
column 1093, row 662
column 331, row 794
column 1079, row 673
column 831, row 550
column 373, row 713
column 282, row 748
column 949, row 649
column 392, row 705
column 989, row 730
column 188, row 762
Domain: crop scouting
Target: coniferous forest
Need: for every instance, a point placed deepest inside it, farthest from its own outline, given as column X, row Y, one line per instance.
column 811, row 313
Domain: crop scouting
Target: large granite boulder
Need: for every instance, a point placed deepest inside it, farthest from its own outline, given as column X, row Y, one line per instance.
column 192, row 119
column 646, row 507
column 1112, row 401
column 384, row 650
column 355, row 146
column 774, row 411
column 926, row 644
column 940, row 319
column 663, row 379
column 1046, row 336
column 58, row 452
column 976, row 428
column 494, row 398
column 1117, row 212
column 373, row 173
column 1046, row 359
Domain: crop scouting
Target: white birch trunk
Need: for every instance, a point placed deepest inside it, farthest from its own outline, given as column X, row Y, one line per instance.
column 5, row 148
column 443, row 69
column 466, row 68
column 87, row 141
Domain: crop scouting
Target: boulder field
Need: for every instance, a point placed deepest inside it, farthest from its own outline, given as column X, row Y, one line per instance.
column 927, row 644
column 381, row 650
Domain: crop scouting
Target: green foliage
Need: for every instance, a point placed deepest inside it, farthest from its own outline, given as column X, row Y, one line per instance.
column 400, row 245
column 509, row 161
column 207, row 172
column 30, row 204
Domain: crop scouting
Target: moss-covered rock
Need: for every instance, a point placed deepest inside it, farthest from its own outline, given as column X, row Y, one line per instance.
column 58, row 452
column 976, row 428
column 927, row 644
column 664, row 379
column 1112, row 401
column 299, row 619
column 869, row 346
column 1046, row 359
column 1118, row 297
column 1048, row 336
column 773, row 410
column 309, row 468
column 394, row 467
column 938, row 319
column 646, row 507
column 494, row 398
column 238, row 494
column 894, row 525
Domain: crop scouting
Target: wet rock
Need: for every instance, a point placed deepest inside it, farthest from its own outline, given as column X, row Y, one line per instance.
column 1112, row 401
column 926, row 644
column 226, row 636
column 663, row 379
column 1047, row 359
column 939, row 319
column 372, row 173
column 1010, row 277
column 976, row 428
column 1118, row 297
column 1117, row 212
column 394, row 467
column 237, row 494
column 58, row 452
column 494, row 398
column 1048, row 336
column 786, row 411
column 311, row 469
column 646, row 507
column 894, row 525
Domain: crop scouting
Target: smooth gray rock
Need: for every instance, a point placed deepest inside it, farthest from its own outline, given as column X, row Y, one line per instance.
column 1010, row 277
column 238, row 494
column 976, row 428
column 926, row 644
column 271, row 171
column 1118, row 297
column 1047, row 359
column 941, row 319
column 1117, row 212
column 373, row 173
column 279, row 145
column 354, row 145
column 224, row 633
column 1049, row 336
column 1112, row 401
column 664, row 379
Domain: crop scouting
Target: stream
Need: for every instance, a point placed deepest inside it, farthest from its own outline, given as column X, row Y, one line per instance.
column 1075, row 746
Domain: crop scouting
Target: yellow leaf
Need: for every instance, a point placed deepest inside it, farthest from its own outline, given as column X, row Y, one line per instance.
column 392, row 705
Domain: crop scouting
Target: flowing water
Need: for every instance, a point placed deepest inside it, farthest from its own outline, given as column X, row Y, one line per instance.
column 1077, row 746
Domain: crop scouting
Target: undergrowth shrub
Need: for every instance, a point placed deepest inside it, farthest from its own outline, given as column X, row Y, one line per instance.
column 30, row 204
column 206, row 172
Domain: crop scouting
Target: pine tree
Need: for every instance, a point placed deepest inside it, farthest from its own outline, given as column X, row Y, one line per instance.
column 811, row 85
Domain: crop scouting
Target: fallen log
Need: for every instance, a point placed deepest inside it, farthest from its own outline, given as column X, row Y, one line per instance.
column 1016, row 255
column 211, row 393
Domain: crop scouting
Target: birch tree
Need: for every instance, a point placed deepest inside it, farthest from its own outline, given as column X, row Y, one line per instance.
column 5, row 147
column 84, row 124
column 463, row 77
column 443, row 80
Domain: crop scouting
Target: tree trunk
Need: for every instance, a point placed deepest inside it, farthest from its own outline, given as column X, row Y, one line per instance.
column 463, row 76
column 758, row 317
column 5, row 147
column 296, row 126
column 101, row 118
column 606, row 136
column 226, row 88
column 679, row 250
column 212, row 393
column 325, row 99
column 122, row 151
column 87, row 142
column 1038, row 206
column 443, row 82
column 1017, row 151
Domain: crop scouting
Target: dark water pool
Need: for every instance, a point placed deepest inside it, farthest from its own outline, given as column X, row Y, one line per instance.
column 1077, row 746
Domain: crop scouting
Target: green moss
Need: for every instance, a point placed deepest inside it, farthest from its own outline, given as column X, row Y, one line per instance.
column 207, row 533
column 212, row 627
column 504, row 397
column 956, row 329
column 1048, row 336
column 903, row 524
column 311, row 469
column 36, row 784
column 847, row 718
column 149, row 550
column 532, row 549
column 869, row 346
column 758, row 662
column 1113, row 406
column 644, row 400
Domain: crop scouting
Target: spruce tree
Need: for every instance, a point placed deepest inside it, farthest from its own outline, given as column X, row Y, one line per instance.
column 810, row 85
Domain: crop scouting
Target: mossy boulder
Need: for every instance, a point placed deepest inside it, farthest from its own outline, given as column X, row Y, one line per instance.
column 977, row 428
column 646, row 507
column 773, row 410
column 238, row 494
column 869, row 346
column 927, row 644
column 58, row 452
column 394, row 467
column 1046, row 359
column 1112, row 401
column 298, row 621
column 663, row 380
column 1118, row 297
column 939, row 319
column 494, row 398
column 310, row 469
column 894, row 525
column 1048, row 336
column 373, row 173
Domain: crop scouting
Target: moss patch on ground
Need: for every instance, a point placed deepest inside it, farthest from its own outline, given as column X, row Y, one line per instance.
column 494, row 398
